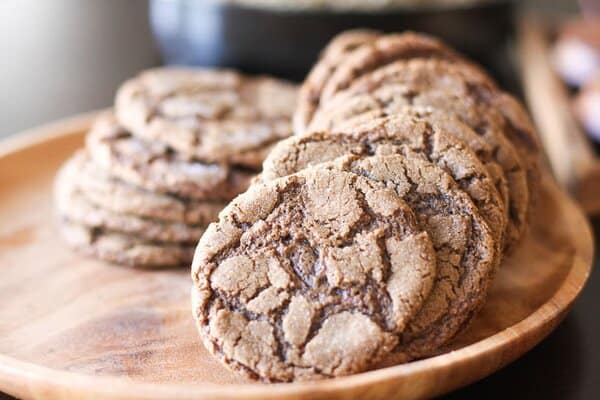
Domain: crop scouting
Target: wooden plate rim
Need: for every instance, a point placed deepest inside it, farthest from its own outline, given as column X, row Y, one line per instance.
column 530, row 330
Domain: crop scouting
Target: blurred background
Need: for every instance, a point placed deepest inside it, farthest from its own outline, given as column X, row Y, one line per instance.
column 62, row 57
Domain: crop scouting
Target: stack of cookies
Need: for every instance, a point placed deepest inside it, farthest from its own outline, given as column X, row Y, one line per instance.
column 158, row 169
column 372, row 235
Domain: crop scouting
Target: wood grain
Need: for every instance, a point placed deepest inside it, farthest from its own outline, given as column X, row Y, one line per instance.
column 571, row 156
column 72, row 327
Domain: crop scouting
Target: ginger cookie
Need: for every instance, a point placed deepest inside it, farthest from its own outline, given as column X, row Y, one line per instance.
column 464, row 245
column 110, row 193
column 398, row 134
column 123, row 249
column 216, row 116
column 363, row 108
column 310, row 92
column 448, row 88
column 385, row 50
column 156, row 168
column 72, row 205
column 309, row 276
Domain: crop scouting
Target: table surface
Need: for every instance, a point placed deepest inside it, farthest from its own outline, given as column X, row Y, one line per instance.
column 70, row 56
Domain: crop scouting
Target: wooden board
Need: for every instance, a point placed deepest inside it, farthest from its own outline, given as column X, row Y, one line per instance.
column 571, row 155
column 72, row 327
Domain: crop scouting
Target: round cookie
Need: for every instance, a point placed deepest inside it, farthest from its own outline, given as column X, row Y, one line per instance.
column 363, row 108
column 385, row 50
column 448, row 88
column 465, row 249
column 124, row 249
column 156, row 168
column 210, row 115
column 398, row 134
column 309, row 276
column 71, row 204
column 310, row 91
column 110, row 193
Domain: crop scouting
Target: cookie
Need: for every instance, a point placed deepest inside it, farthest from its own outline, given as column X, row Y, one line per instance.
column 110, row 193
column 446, row 87
column 210, row 115
column 308, row 276
column 385, row 50
column 156, row 168
column 398, row 134
column 363, row 108
column 464, row 245
column 72, row 205
column 310, row 91
column 123, row 249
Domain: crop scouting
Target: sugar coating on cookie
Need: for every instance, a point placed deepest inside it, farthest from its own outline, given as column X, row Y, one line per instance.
column 212, row 115
column 311, row 275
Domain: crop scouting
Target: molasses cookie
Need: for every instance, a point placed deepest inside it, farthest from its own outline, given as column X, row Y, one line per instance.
column 110, row 193
column 156, row 168
column 398, row 134
column 453, row 88
column 465, row 249
column 311, row 275
column 385, row 50
column 387, row 101
column 211, row 115
column 124, row 249
column 72, row 205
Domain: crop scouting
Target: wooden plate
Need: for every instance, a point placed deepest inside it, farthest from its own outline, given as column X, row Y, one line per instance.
column 72, row 327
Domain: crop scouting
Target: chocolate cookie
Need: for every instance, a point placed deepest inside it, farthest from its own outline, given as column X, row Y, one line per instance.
column 72, row 205
column 112, row 194
column 155, row 167
column 310, row 92
column 453, row 88
column 465, row 249
column 124, row 249
column 398, row 134
column 211, row 115
column 311, row 275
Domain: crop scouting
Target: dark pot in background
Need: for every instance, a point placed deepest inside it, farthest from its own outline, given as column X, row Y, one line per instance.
column 287, row 43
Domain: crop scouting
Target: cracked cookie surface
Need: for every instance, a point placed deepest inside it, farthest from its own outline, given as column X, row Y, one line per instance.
column 156, row 168
column 212, row 115
column 397, row 134
column 457, row 89
column 311, row 275
column 358, row 111
column 464, row 245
